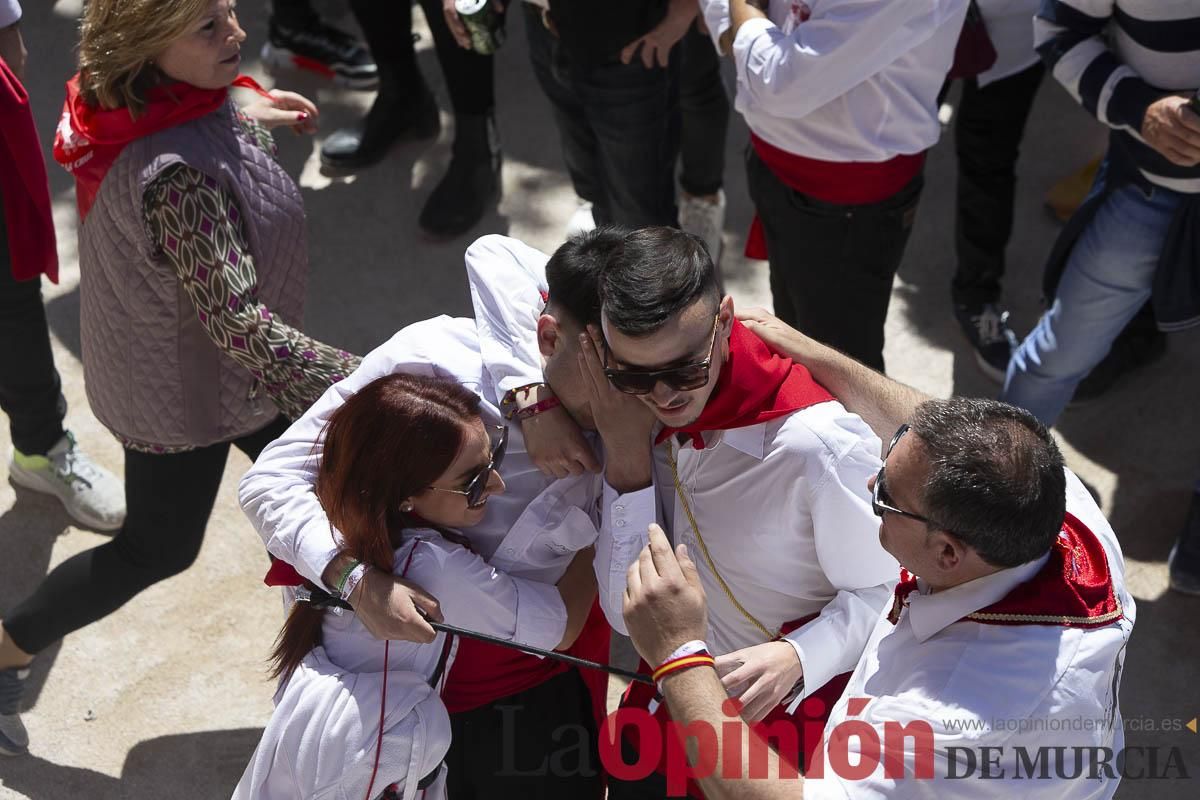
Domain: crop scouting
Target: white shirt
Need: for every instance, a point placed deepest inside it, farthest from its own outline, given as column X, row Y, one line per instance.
column 782, row 506
column 1010, row 27
column 857, row 80
column 784, row 512
column 1001, row 686
column 10, row 12
column 321, row 741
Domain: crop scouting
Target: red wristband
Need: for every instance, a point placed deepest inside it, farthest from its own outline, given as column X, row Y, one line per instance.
column 701, row 659
column 539, row 407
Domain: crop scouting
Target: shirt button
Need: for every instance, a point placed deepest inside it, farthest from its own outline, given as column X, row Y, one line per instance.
column 618, row 508
column 620, row 523
column 508, row 551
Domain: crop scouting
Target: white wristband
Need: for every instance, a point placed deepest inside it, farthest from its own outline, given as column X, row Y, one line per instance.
column 352, row 581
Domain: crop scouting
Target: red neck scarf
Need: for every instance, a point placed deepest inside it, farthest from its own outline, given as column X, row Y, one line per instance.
column 755, row 386
column 1074, row 589
column 89, row 139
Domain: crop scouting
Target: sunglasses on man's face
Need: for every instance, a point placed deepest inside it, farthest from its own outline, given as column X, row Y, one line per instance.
column 478, row 483
column 684, row 378
column 880, row 500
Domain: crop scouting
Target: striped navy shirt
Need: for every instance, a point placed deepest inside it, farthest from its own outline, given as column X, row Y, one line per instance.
column 1117, row 57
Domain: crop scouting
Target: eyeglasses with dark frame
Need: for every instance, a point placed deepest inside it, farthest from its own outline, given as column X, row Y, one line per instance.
column 880, row 500
column 478, row 483
column 684, row 378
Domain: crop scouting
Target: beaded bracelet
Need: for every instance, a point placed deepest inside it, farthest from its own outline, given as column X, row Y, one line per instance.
column 701, row 659
column 538, row 408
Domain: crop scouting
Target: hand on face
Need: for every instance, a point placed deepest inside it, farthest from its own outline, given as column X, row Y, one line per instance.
column 623, row 421
column 664, row 600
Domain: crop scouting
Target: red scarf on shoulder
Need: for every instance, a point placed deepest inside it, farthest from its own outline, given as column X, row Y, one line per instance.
column 89, row 139
column 755, row 386
column 1073, row 589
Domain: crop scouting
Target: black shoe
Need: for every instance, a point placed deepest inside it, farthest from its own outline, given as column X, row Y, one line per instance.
column 1130, row 351
column 392, row 118
column 986, row 328
column 1183, row 565
column 323, row 49
column 471, row 183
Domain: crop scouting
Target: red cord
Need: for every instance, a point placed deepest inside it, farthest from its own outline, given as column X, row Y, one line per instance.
column 382, row 706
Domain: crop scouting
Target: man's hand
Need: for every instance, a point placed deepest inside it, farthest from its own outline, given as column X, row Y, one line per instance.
column 778, row 335
column 656, row 45
column 1173, row 129
column 284, row 108
column 624, row 422
column 760, row 676
column 12, row 50
column 390, row 608
column 557, row 445
column 664, row 601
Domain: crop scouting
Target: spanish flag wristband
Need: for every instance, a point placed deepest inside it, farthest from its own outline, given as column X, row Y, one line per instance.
column 699, row 659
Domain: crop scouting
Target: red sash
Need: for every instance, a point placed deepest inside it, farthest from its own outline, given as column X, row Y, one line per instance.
column 811, row 715
column 755, row 386
column 1073, row 589
column 847, row 183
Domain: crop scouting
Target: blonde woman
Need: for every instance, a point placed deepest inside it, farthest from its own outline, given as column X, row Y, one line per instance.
column 193, row 261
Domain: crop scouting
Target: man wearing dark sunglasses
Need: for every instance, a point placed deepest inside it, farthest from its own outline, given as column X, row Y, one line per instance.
column 1005, row 638
column 753, row 465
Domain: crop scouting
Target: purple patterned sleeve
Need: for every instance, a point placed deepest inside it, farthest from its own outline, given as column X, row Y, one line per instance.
column 197, row 226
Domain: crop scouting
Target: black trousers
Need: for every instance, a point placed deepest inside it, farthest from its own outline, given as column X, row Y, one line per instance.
column 540, row 744
column 387, row 29
column 30, row 389
column 704, row 113
column 618, row 125
column 988, row 128
column 168, row 498
column 832, row 265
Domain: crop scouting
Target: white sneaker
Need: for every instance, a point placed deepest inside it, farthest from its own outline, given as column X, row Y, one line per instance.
column 581, row 221
column 90, row 493
column 704, row 219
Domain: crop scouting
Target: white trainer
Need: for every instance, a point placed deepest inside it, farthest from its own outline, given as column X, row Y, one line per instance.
column 91, row 494
column 704, row 219
column 581, row 221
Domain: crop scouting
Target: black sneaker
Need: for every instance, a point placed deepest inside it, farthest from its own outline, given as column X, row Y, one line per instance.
column 323, row 49
column 393, row 118
column 986, row 328
column 1183, row 565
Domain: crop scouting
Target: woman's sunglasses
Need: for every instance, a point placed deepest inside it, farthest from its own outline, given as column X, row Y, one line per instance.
column 477, row 485
column 684, row 378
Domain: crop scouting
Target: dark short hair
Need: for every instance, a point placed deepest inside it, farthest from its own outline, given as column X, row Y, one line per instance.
column 655, row 274
column 996, row 477
column 573, row 273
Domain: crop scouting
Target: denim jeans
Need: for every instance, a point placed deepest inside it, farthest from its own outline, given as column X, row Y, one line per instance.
column 618, row 125
column 30, row 390
column 1108, row 277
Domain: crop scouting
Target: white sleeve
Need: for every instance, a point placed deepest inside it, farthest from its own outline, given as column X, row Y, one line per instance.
column 10, row 12
column 277, row 493
column 716, row 19
column 478, row 597
column 624, row 530
column 508, row 282
column 838, row 48
column 848, row 548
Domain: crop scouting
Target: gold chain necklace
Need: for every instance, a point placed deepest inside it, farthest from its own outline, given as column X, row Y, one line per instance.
column 687, row 509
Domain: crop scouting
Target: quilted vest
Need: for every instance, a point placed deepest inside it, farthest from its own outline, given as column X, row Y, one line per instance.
column 153, row 375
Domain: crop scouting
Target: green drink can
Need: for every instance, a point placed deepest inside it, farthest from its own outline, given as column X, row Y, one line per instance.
column 483, row 25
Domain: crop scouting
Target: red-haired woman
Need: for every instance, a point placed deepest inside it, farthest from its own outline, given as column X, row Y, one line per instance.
column 406, row 461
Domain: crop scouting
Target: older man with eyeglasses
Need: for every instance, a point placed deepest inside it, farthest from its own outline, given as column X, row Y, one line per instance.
column 995, row 668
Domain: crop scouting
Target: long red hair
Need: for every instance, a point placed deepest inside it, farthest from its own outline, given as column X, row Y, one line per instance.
column 388, row 442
